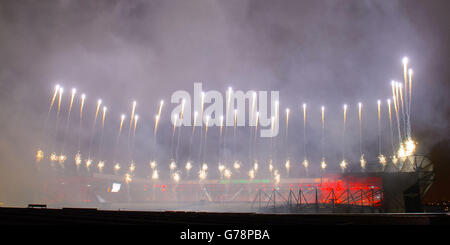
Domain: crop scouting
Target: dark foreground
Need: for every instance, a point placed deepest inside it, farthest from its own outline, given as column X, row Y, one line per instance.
column 39, row 216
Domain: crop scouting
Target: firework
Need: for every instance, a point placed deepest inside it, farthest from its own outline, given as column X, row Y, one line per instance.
column 59, row 99
column 78, row 159
column 382, row 159
column 132, row 167
column 287, row 121
column 153, row 164
column 116, row 167
column 343, row 131
column 379, row 126
column 176, row 177
column 172, row 165
column 205, row 166
column 155, row 175
column 53, row 157
column 62, row 158
column 343, row 164
column 360, row 126
column 236, row 165
column 323, row 164
column 128, row 178
column 305, row 163
column 227, row 173
column 221, row 167
column 122, row 118
column 255, row 166
column 133, row 108
column 363, row 162
column 394, row 159
column 202, row 174
column 277, row 178
column 99, row 102
column 270, row 166
column 188, row 166
column 100, row 166
column 53, row 98
column 251, row 174
column 88, row 163
column 39, row 155
column 287, row 165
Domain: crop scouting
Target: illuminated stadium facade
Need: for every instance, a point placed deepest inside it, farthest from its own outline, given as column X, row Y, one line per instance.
column 390, row 189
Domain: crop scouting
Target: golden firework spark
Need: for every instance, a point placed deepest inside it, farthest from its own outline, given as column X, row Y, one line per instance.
column 287, row 120
column 236, row 165
column 363, row 162
column 83, row 97
column 155, row 175
column 172, row 165
column 103, row 117
column 323, row 164
column 62, row 158
column 251, row 174
column 221, row 125
column 39, row 155
column 221, row 167
column 202, row 174
column 128, row 178
column 116, row 167
column 227, row 173
column 287, row 165
column 153, row 164
column 382, row 159
column 74, row 91
column 99, row 102
column 53, row 157
column 205, row 166
column 135, row 123
column 394, row 159
column 305, row 163
column 88, row 163
column 132, row 167
column 59, row 99
column 122, row 118
column 188, row 166
column 54, row 97
column 277, row 178
column 133, row 108
column 78, row 159
column 176, row 177
column 255, row 166
column 100, row 165
column 343, row 164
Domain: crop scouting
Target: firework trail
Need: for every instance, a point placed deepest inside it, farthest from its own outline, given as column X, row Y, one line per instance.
column 122, row 118
column 102, row 130
column 57, row 116
column 343, row 132
column 409, row 103
column 379, row 126
column 179, row 131
column 395, row 98
column 133, row 108
column 192, row 134
column 155, row 129
column 67, row 122
column 206, row 135
column 323, row 132
column 99, row 102
column 390, row 125
column 360, row 127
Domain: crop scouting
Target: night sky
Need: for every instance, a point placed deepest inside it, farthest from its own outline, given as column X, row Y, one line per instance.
column 319, row 52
